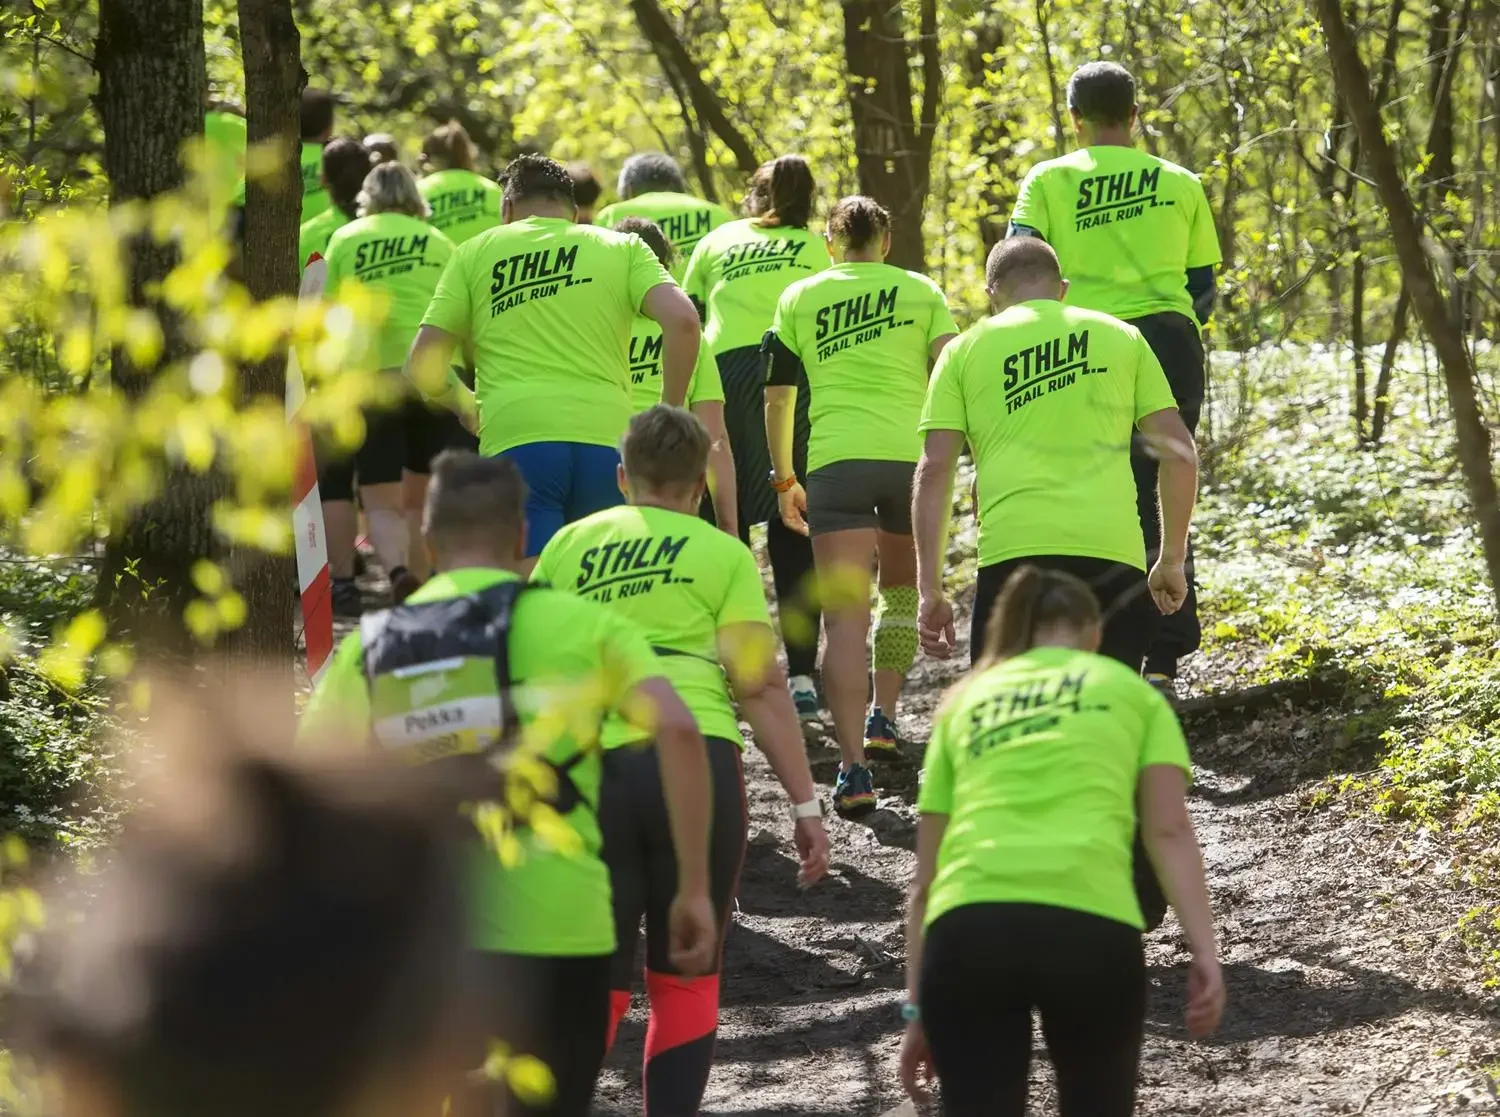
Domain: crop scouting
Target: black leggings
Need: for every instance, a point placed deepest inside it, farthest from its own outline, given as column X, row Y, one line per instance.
column 797, row 611
column 554, row 1008
column 986, row 966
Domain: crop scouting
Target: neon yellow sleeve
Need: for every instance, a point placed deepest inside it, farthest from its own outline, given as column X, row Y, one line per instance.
column 340, row 705
column 452, row 305
column 944, row 409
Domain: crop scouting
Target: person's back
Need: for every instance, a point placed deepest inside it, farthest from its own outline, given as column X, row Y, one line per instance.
column 1049, row 396
column 1127, row 227
column 344, row 165
column 739, row 271
column 464, row 203
column 400, row 256
column 1035, row 760
column 317, row 127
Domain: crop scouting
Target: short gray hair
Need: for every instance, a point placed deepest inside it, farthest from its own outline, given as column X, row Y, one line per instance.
column 649, row 172
column 390, row 188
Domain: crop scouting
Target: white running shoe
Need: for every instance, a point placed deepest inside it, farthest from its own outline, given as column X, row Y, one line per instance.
column 804, row 696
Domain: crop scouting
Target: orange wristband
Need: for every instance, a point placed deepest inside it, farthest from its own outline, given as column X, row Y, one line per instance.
column 783, row 486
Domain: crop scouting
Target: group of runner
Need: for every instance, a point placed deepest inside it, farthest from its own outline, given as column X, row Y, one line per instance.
column 829, row 397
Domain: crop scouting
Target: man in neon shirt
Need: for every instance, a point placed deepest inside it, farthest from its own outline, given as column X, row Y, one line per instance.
column 546, row 306
column 1137, row 240
column 317, row 130
column 652, row 186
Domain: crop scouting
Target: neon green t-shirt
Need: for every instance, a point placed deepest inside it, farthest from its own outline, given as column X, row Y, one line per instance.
column 1126, row 226
column 315, row 234
column 684, row 219
column 315, row 197
column 646, row 365
column 225, row 139
column 572, row 663
column 863, row 333
column 400, row 256
column 739, row 271
column 676, row 578
column 1048, row 396
column 1035, row 762
column 548, row 306
column 463, row 203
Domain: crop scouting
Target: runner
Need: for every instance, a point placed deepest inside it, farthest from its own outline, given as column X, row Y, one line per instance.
column 463, row 201
column 651, row 186
column 383, row 148
column 295, row 949
column 317, row 128
column 862, row 335
column 392, row 250
column 542, row 923
column 737, row 274
column 705, row 392
column 225, row 140
column 1048, row 397
column 345, row 165
column 586, row 191
column 546, row 306
column 1137, row 240
column 1022, row 898
column 696, row 595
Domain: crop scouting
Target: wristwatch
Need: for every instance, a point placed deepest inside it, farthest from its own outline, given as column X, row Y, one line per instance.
column 910, row 1011
column 813, row 808
column 784, row 485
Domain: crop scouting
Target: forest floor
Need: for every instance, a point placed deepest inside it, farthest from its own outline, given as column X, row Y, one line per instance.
column 1348, row 990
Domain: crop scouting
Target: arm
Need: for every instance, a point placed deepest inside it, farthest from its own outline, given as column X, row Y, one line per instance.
column 430, row 358
column 1017, row 230
column 935, row 350
column 748, row 654
column 914, row 1053
column 931, row 510
column 781, row 415
column 1167, row 832
column 680, row 335
column 1177, row 489
column 722, row 485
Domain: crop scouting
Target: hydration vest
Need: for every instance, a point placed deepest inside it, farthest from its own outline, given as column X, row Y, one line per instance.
column 441, row 689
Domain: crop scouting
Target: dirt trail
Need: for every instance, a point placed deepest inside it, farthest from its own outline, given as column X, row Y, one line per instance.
column 1345, row 989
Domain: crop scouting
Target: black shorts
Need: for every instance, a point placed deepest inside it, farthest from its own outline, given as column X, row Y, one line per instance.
column 430, row 430
column 379, row 460
column 985, row 967
column 553, row 1008
column 1130, row 616
column 854, row 494
column 638, row 849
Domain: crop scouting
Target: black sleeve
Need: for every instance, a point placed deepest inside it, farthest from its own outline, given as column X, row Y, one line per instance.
column 783, row 367
column 702, row 310
column 1200, row 285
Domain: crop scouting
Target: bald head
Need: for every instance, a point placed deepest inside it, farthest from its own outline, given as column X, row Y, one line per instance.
column 1022, row 268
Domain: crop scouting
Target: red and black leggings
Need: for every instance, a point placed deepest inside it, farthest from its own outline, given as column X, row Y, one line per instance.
column 643, row 873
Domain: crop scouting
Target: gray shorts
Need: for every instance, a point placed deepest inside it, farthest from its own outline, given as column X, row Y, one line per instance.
column 860, row 494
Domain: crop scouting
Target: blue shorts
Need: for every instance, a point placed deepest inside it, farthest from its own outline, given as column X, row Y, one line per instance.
column 565, row 481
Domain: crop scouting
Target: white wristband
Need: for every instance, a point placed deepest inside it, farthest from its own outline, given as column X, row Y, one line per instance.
column 813, row 808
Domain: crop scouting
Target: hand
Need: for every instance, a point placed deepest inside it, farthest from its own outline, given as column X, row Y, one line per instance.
column 811, row 840
column 935, row 627
column 917, row 1074
column 694, row 934
column 793, row 506
column 1205, row 1004
column 1168, row 584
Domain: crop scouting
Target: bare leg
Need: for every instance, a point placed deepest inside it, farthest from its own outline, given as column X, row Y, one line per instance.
column 341, row 527
column 898, row 572
column 843, row 561
column 413, row 496
column 387, row 520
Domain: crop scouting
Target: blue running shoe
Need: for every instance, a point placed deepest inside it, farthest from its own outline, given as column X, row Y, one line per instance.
column 854, row 794
column 880, row 737
column 804, row 696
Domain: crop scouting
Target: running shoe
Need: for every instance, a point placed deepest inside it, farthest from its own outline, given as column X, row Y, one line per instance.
column 880, row 736
column 403, row 584
column 347, row 600
column 804, row 696
column 854, row 794
column 1165, row 684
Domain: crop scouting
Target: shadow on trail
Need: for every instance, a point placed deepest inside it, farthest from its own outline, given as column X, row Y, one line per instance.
column 1294, row 1003
column 768, row 886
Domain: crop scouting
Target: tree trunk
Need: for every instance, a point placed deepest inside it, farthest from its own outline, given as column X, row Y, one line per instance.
column 274, row 79
column 1054, row 94
column 707, row 104
column 892, row 143
column 152, row 85
column 993, row 131
column 1388, row 367
column 1421, row 280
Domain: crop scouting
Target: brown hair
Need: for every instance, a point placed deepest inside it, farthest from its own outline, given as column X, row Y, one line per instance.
column 449, row 148
column 1032, row 598
column 787, row 186
column 586, row 185
column 857, row 221
column 474, row 500
column 650, row 232
column 1021, row 260
column 665, row 448
column 1102, row 93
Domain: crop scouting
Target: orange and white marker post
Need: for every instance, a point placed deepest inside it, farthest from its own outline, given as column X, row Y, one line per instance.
column 307, row 506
